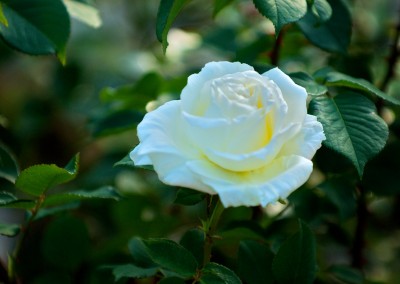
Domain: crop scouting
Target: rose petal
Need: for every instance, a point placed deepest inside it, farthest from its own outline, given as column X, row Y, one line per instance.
column 163, row 146
column 294, row 95
column 196, row 92
column 307, row 141
column 261, row 187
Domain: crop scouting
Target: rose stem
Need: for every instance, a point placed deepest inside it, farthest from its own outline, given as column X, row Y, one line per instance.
column 359, row 235
column 274, row 55
column 390, row 71
column 209, row 228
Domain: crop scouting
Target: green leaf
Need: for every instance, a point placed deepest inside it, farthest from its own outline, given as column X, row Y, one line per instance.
column 125, row 161
column 193, row 240
column 105, row 192
column 254, row 262
column 167, row 12
column 346, row 274
column 9, row 230
column 337, row 79
column 132, row 271
column 36, row 180
column 219, row 5
column 3, row 19
column 295, row 261
column 8, row 200
column 83, row 13
column 36, row 26
column 281, row 12
column 139, row 254
column 44, row 212
column 171, row 256
column 340, row 192
column 214, row 273
column 322, row 10
column 117, row 122
column 308, row 82
column 333, row 35
column 186, row 196
column 351, row 126
column 9, row 169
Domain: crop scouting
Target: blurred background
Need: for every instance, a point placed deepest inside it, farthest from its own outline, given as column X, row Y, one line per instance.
column 50, row 112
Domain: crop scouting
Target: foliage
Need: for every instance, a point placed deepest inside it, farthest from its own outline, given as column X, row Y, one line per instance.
column 100, row 219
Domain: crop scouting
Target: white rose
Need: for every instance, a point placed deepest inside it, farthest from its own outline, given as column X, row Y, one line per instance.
column 244, row 136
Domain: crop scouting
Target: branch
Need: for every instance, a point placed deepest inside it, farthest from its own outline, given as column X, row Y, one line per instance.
column 274, row 55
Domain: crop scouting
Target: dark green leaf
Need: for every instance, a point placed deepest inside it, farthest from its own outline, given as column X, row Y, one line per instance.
column 139, row 254
column 254, row 262
column 322, row 10
column 72, row 239
column 186, row 196
column 117, row 122
column 281, row 12
column 3, row 19
column 44, row 212
column 341, row 80
column 8, row 200
column 36, row 26
column 351, row 126
column 105, row 192
column 219, row 5
column 9, row 230
column 193, row 240
column 125, row 161
column 333, row 35
column 340, row 192
column 167, row 12
column 171, row 256
column 8, row 166
column 308, row 82
column 346, row 274
column 214, row 273
column 37, row 179
column 295, row 261
column 132, row 271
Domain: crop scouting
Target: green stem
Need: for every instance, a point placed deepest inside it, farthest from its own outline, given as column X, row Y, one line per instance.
column 210, row 227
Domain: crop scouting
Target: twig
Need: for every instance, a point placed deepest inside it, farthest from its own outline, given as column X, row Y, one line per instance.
column 274, row 55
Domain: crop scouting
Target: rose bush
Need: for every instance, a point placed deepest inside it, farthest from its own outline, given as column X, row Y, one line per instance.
column 242, row 135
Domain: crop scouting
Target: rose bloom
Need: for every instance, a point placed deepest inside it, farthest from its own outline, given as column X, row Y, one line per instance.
column 244, row 136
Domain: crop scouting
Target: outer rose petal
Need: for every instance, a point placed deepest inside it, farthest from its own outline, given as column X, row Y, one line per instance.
column 162, row 146
column 261, row 187
column 294, row 95
column 307, row 141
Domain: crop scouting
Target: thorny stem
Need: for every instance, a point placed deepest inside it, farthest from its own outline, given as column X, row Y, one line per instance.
column 210, row 227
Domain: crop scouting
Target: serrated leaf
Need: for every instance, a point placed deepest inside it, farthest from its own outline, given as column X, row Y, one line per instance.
column 3, row 19
column 214, row 273
column 342, row 80
column 167, row 12
column 219, row 5
column 125, row 161
column 295, row 261
column 36, row 26
column 333, row 35
column 322, row 10
column 186, row 196
column 9, row 169
column 351, row 126
column 193, row 240
column 37, row 179
column 8, row 200
column 83, row 13
column 308, row 82
column 139, row 254
column 281, row 12
column 254, row 262
column 132, row 271
column 9, row 230
column 44, row 212
column 171, row 256
column 105, row 192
